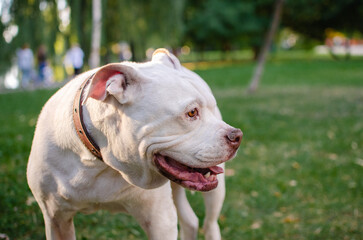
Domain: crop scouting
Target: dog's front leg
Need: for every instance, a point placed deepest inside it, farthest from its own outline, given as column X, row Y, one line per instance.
column 155, row 211
column 58, row 224
column 213, row 205
column 59, row 228
column 188, row 221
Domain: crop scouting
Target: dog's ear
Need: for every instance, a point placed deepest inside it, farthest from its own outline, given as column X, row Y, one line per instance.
column 164, row 56
column 112, row 79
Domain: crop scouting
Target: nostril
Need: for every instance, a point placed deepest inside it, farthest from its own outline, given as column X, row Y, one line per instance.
column 235, row 136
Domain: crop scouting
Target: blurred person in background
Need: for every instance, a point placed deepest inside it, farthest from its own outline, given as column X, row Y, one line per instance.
column 74, row 57
column 26, row 63
column 45, row 73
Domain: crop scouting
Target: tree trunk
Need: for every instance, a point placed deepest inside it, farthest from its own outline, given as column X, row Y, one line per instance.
column 94, row 60
column 266, row 47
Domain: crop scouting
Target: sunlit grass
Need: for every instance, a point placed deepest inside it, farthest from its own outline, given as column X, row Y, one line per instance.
column 299, row 170
column 298, row 174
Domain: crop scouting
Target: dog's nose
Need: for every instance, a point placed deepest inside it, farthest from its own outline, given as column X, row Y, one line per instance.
column 235, row 137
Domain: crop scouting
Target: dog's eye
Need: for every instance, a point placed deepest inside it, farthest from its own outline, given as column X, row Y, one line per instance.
column 193, row 113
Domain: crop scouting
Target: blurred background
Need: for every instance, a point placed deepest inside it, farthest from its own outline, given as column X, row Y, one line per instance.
column 299, row 171
column 206, row 30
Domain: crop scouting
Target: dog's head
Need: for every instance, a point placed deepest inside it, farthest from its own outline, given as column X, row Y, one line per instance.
column 159, row 118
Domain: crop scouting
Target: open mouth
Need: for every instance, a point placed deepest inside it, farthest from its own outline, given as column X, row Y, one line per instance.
column 199, row 179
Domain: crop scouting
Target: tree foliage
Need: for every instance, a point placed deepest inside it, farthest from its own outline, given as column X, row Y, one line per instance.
column 80, row 25
column 143, row 24
column 313, row 17
column 202, row 24
column 226, row 24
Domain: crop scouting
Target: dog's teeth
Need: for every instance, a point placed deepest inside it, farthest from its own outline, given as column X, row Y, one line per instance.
column 207, row 175
column 212, row 178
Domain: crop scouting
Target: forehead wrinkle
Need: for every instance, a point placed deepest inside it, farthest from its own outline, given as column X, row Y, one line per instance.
column 182, row 79
column 188, row 104
column 204, row 91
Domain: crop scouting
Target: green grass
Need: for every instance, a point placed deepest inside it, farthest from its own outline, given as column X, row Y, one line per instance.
column 298, row 174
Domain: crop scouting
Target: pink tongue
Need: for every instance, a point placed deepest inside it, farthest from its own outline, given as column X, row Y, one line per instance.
column 216, row 170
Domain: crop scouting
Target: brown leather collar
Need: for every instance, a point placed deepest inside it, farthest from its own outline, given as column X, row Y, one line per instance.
column 81, row 129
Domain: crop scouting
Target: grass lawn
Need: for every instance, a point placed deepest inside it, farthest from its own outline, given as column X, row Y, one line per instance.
column 298, row 174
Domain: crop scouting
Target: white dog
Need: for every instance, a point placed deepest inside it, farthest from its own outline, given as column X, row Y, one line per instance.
column 113, row 137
